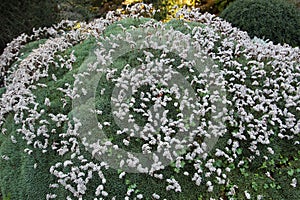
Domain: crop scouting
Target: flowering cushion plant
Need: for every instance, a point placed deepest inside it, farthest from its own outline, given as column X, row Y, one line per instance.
column 128, row 107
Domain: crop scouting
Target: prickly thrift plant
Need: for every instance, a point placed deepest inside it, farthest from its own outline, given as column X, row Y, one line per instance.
column 128, row 107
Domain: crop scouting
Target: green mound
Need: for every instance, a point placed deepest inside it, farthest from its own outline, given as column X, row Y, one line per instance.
column 276, row 20
column 128, row 107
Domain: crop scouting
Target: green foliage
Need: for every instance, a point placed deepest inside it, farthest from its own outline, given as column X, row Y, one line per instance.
column 18, row 177
column 22, row 16
column 19, row 180
column 277, row 20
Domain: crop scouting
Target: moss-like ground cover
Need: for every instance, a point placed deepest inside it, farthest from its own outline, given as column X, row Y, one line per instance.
column 30, row 165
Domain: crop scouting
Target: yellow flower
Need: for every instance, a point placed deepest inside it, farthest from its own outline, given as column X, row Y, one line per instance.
column 128, row 2
column 77, row 26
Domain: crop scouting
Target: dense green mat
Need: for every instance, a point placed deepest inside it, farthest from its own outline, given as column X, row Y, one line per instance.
column 25, row 170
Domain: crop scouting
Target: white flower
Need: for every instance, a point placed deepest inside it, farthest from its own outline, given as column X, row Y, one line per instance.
column 51, row 196
column 159, row 176
column 67, row 162
column 173, row 185
column 122, row 175
column 294, row 182
column 186, row 173
column 270, row 150
column 13, row 139
column 247, row 194
column 126, row 142
column 98, row 190
column 47, row 102
column 155, row 196
column 5, row 157
column 28, row 151
column 259, row 197
column 104, row 193
column 210, row 188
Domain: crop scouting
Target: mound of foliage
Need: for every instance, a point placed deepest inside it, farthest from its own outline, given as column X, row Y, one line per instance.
column 128, row 107
column 277, row 20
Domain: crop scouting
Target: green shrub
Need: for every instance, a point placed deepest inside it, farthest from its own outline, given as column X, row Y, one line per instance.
column 277, row 20
column 47, row 134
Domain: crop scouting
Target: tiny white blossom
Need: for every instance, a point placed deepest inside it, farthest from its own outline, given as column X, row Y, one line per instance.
column 294, row 182
column 247, row 194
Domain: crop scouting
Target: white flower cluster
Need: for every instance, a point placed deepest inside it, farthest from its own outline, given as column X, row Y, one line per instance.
column 12, row 51
column 261, row 79
column 173, row 185
column 80, row 176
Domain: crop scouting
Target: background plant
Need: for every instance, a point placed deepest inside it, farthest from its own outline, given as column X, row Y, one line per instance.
column 277, row 20
column 22, row 16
